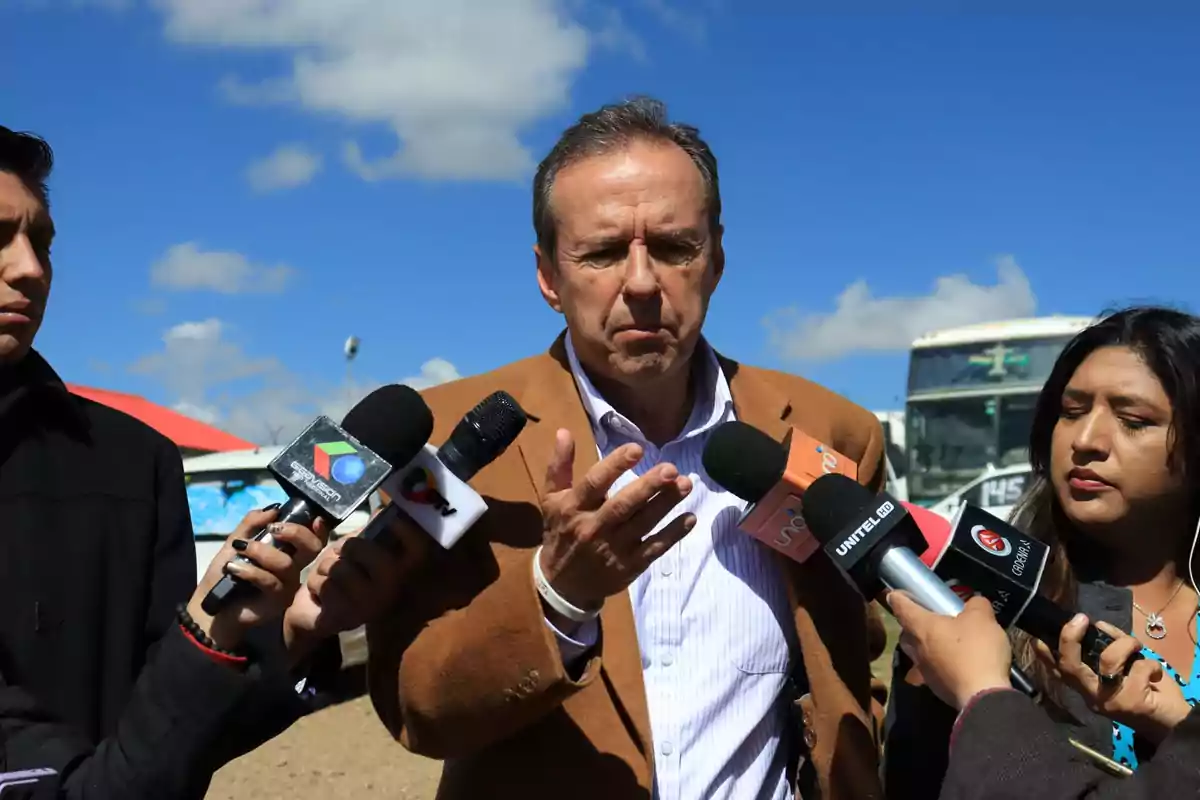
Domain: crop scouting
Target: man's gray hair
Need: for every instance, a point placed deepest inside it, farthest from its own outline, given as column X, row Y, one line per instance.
column 609, row 128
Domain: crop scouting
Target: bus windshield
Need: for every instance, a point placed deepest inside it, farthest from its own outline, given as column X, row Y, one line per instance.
column 952, row 440
column 996, row 364
column 219, row 499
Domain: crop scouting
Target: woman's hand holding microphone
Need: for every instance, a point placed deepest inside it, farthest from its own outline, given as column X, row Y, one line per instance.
column 960, row 657
column 1143, row 696
column 275, row 574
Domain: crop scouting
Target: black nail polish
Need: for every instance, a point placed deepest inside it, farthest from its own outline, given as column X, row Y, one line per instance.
column 271, row 507
column 240, row 545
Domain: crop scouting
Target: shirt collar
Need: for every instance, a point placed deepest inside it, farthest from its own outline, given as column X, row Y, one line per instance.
column 713, row 405
column 33, row 378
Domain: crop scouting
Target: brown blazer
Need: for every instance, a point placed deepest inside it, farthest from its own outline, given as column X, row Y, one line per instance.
column 467, row 671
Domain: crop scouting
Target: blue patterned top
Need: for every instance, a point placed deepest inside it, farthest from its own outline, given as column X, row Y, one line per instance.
column 1123, row 749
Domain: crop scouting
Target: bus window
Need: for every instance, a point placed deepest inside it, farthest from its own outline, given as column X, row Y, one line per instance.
column 1016, row 423
column 218, row 500
column 897, row 458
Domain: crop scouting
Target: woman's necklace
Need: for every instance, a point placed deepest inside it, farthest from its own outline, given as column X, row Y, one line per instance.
column 1156, row 627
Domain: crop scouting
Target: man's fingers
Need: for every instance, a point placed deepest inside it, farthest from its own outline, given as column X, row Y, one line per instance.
column 562, row 463
column 592, row 489
column 667, row 538
column 658, row 507
column 645, row 501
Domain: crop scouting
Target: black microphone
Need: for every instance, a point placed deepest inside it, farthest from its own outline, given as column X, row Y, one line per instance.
column 874, row 540
column 433, row 489
column 987, row 555
column 329, row 471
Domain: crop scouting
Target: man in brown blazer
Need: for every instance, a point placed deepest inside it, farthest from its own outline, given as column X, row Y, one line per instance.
column 543, row 657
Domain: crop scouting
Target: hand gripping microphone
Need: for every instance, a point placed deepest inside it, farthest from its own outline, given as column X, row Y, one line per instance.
column 772, row 478
column 433, row 488
column 980, row 553
column 328, row 471
column 874, row 540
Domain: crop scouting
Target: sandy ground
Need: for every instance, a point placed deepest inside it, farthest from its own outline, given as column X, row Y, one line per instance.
column 343, row 752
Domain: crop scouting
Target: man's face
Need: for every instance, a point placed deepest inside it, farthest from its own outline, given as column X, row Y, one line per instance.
column 636, row 261
column 25, row 235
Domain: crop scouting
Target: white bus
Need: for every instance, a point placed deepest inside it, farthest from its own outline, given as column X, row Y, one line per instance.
column 971, row 395
column 897, row 461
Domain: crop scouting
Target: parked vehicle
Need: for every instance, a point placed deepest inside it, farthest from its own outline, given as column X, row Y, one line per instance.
column 896, row 460
column 996, row 491
column 971, row 397
column 223, row 487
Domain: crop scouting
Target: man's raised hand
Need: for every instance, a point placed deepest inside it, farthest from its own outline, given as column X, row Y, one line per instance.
column 593, row 545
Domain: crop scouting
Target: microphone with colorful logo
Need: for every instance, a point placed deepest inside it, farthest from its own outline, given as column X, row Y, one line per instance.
column 772, row 477
column 983, row 555
column 433, row 489
column 875, row 541
column 329, row 471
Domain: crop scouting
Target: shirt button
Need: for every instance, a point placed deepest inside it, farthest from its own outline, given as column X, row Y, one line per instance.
column 667, row 749
column 665, row 568
column 667, row 661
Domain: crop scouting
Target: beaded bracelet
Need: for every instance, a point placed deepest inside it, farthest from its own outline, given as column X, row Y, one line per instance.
column 203, row 639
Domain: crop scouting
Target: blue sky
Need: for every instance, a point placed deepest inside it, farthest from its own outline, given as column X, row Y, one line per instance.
column 881, row 174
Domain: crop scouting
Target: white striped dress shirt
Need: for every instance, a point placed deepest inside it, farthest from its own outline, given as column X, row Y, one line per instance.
column 713, row 620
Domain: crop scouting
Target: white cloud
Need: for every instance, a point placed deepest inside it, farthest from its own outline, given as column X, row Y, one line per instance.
column 688, row 23
column 291, row 165
column 457, row 81
column 433, row 372
column 210, row 377
column 863, row 322
column 185, row 267
column 150, row 306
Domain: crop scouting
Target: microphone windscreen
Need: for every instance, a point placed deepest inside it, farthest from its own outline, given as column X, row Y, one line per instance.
column 832, row 503
column 483, row 434
column 934, row 528
column 393, row 421
column 499, row 420
column 744, row 460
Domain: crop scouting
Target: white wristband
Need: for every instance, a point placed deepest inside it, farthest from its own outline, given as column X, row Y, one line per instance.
column 555, row 600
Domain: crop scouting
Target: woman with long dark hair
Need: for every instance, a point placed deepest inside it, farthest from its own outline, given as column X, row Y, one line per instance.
column 1115, row 449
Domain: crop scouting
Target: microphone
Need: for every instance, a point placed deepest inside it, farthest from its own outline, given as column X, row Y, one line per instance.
column 987, row 555
column 772, row 478
column 433, row 488
column 874, row 540
column 328, row 471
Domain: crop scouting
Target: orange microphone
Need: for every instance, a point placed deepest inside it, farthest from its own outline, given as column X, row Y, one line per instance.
column 773, row 477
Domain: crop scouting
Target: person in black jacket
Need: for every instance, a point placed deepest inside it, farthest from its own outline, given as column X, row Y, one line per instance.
column 1003, row 747
column 1115, row 450
column 186, row 698
column 97, row 558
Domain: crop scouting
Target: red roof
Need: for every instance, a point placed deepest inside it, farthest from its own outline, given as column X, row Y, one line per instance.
column 183, row 431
